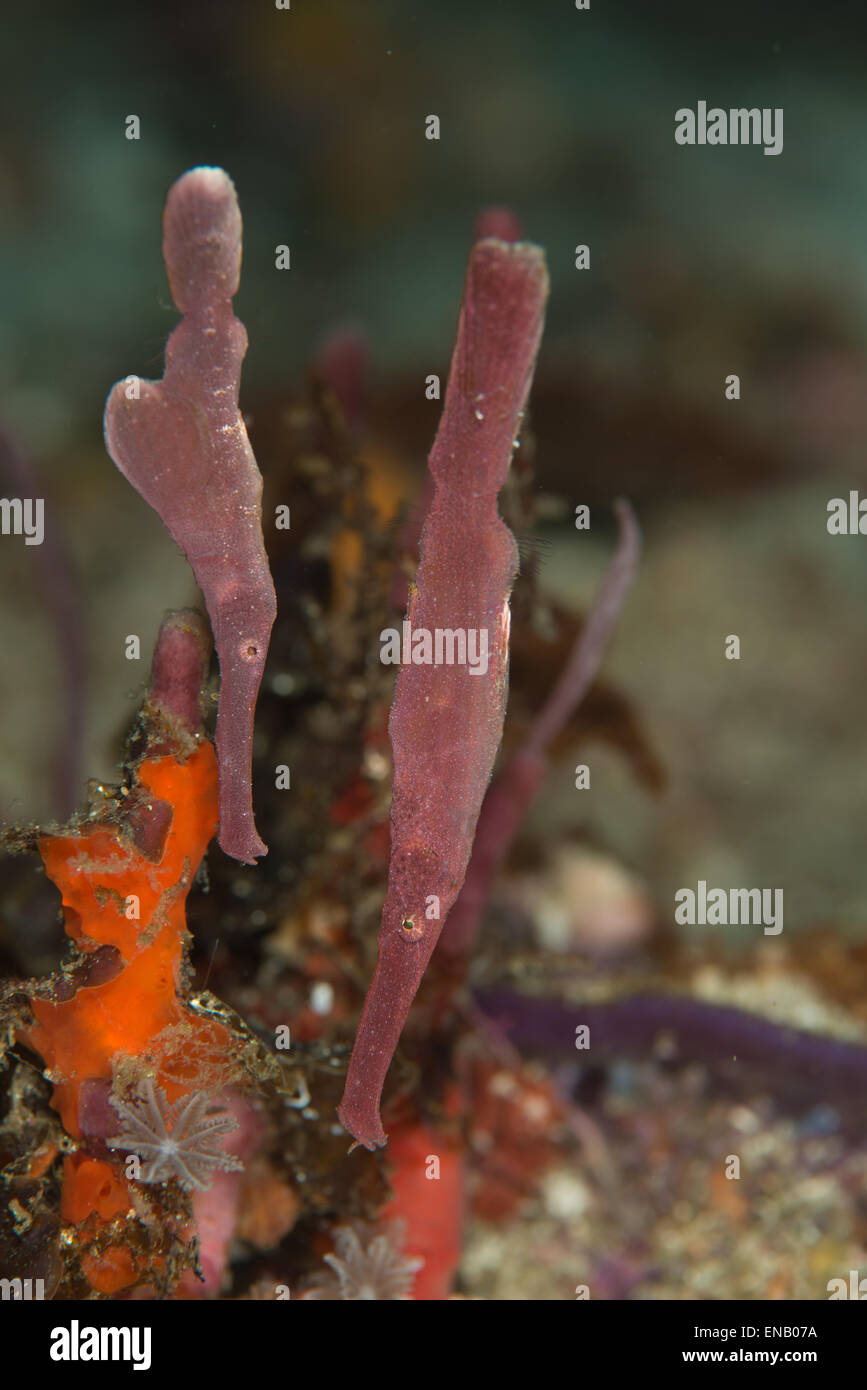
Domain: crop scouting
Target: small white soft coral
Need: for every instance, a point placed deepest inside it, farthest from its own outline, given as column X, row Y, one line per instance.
column 369, row 1267
column 182, row 1141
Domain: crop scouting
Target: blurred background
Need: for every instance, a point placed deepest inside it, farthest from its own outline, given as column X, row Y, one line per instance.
column 704, row 262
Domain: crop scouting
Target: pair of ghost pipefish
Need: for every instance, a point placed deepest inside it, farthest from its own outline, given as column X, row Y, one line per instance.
column 183, row 445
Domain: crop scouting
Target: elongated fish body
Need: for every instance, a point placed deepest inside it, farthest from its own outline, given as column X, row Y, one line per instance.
column 447, row 718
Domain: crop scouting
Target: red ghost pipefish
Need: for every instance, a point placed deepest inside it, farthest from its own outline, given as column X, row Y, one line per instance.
column 447, row 719
column 182, row 444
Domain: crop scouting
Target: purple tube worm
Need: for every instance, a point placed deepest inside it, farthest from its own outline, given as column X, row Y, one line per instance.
column 182, row 444
column 447, row 719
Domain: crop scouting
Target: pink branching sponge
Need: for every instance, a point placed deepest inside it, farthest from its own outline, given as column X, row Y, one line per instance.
column 182, row 444
column 447, row 719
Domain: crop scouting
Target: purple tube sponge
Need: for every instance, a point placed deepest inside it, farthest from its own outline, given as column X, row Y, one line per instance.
column 508, row 798
column 182, row 444
column 179, row 671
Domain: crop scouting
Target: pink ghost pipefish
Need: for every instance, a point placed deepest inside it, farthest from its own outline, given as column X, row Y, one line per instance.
column 447, row 719
column 182, row 444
